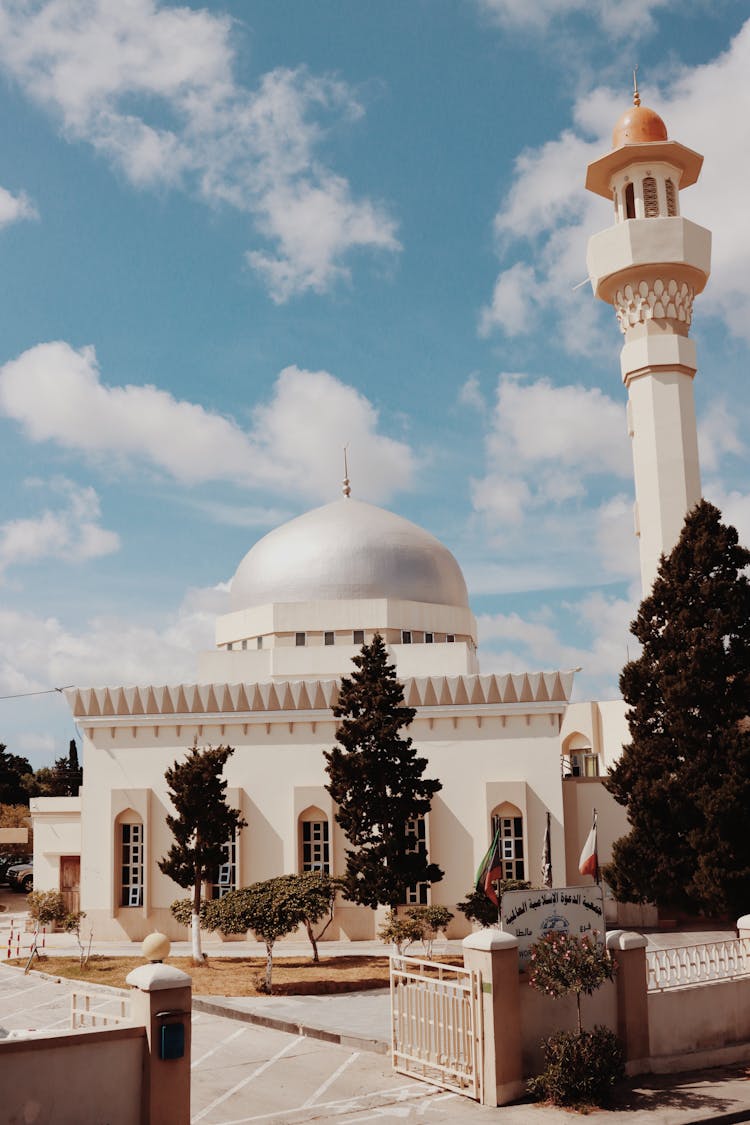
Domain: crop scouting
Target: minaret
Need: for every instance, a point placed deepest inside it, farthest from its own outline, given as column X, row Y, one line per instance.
column 650, row 264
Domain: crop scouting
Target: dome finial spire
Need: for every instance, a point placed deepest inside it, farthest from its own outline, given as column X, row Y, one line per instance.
column 346, row 487
column 636, row 95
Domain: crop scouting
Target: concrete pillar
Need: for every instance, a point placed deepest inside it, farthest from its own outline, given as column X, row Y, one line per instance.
column 162, row 995
column 743, row 926
column 629, row 952
column 495, row 954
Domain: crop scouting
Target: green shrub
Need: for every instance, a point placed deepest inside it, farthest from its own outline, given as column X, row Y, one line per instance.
column 478, row 908
column 432, row 919
column 46, row 908
column 182, row 911
column 401, row 931
column 582, row 1068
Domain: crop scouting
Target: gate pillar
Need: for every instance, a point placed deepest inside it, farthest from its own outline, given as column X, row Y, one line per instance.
column 495, row 954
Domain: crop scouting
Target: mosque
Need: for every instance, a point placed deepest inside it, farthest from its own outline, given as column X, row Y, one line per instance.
column 508, row 749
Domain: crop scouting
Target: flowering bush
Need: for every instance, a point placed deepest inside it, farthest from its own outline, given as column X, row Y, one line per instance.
column 561, row 966
column 581, row 1066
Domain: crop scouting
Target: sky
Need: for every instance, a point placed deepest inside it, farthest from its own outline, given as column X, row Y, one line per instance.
column 236, row 238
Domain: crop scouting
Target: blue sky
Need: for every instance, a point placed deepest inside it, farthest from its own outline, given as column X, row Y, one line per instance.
column 235, row 238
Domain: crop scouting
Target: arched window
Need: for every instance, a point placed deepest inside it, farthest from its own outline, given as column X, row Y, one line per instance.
column 650, row 198
column 579, row 758
column 416, row 834
column 507, row 821
column 129, row 841
column 616, row 203
column 314, row 841
column 671, row 198
column 629, row 201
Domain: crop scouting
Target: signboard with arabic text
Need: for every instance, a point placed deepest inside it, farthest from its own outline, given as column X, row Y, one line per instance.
column 530, row 915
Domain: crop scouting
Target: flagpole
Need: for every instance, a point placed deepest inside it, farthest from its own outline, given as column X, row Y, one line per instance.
column 596, row 854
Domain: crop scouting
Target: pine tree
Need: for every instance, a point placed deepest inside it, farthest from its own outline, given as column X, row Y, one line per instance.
column 75, row 771
column 376, row 781
column 685, row 775
column 204, row 823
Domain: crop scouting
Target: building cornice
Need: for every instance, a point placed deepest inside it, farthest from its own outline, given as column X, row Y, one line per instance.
column 304, row 700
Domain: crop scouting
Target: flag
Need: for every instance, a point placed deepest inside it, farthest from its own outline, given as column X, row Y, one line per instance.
column 588, row 864
column 547, row 856
column 490, row 869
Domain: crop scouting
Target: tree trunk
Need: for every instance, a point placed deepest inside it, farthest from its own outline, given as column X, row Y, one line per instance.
column 313, row 942
column 269, row 968
column 195, row 925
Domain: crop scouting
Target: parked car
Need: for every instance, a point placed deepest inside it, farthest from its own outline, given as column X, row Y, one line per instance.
column 21, row 877
column 7, row 861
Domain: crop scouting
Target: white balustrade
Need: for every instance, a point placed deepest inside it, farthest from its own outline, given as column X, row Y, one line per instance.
column 686, row 965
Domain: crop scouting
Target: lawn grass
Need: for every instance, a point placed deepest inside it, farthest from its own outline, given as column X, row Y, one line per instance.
column 234, row 976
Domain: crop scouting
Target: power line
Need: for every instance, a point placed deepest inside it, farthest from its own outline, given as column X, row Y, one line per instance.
column 49, row 691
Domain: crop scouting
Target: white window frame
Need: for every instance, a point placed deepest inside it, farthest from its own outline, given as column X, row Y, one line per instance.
column 131, row 863
column 512, row 856
column 226, row 876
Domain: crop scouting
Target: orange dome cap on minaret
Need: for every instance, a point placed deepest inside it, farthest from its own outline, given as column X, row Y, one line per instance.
column 638, row 125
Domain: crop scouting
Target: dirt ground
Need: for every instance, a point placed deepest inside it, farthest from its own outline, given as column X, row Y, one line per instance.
column 225, row 976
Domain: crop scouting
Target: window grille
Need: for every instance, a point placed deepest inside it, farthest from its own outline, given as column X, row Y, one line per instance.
column 226, row 876
column 131, row 881
column 650, row 198
column 315, row 851
column 416, row 835
column 511, row 845
column 671, row 198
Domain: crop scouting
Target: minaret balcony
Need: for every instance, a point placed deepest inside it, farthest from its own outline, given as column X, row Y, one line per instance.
column 666, row 253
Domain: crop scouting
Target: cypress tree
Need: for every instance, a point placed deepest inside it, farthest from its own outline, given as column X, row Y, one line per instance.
column 203, row 823
column 376, row 780
column 685, row 775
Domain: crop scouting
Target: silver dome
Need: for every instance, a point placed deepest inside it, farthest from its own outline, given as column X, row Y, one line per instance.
column 348, row 550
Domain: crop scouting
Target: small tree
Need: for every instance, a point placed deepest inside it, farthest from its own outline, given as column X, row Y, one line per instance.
column 377, row 782
column 684, row 777
column 47, row 908
column 422, row 923
column 581, row 1066
column 266, row 908
column 202, row 825
column 314, row 895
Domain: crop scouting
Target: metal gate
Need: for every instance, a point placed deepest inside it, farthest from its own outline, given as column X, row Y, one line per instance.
column 436, row 1024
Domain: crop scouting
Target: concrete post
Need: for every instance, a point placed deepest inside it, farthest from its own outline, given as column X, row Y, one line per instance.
column 629, row 952
column 495, row 954
column 163, row 995
column 743, row 926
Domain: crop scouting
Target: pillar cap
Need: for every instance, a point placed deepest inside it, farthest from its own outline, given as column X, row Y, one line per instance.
column 150, row 978
column 625, row 939
column 490, row 940
column 743, row 923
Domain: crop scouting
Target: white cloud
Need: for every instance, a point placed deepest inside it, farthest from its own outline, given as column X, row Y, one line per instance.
column 14, row 208
column 549, row 215
column 153, row 89
column 511, row 643
column 69, row 534
column 37, row 653
column 295, row 444
column 544, row 443
column 626, row 21
column 718, row 434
